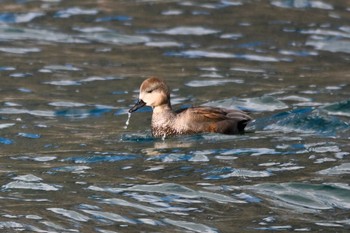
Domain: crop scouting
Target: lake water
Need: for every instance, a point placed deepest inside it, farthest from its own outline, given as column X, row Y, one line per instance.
column 70, row 70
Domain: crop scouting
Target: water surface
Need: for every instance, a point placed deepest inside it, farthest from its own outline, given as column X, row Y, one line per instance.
column 70, row 70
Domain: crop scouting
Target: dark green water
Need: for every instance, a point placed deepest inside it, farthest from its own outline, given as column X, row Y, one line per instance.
column 70, row 70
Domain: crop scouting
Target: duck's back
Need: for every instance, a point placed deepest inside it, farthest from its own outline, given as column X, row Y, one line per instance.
column 210, row 119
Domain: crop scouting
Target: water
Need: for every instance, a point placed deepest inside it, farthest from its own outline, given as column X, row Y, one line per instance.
column 70, row 70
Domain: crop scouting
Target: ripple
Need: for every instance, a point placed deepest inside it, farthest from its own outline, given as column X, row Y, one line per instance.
column 99, row 78
column 172, row 189
column 248, row 70
column 191, row 226
column 121, row 18
column 44, row 113
column 6, row 141
column 340, row 109
column 250, row 151
column 275, row 228
column 72, row 169
column 328, row 40
column 295, row 98
column 44, row 158
column 196, row 31
column 28, row 178
column 30, row 185
column 116, row 38
column 232, row 36
column 66, row 104
column 13, row 225
column 66, row 67
column 330, row 35
column 335, row 45
column 302, row 53
column 91, row 29
column 220, row 4
column 66, row 13
column 149, row 221
column 337, row 170
column 9, row 33
column 6, row 125
column 109, row 216
column 29, row 135
column 216, row 174
column 20, row 75
column 137, row 137
column 163, row 44
column 121, row 202
column 19, row 50
column 223, row 55
column 63, row 83
column 172, row 12
column 305, row 197
column 177, row 157
column 83, row 113
column 305, row 120
column 264, row 103
column 76, row 82
column 212, row 82
column 19, row 18
column 7, row 68
column 73, row 215
column 302, row 4
column 110, row 158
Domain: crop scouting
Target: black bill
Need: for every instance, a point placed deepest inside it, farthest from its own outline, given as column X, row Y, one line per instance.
column 138, row 105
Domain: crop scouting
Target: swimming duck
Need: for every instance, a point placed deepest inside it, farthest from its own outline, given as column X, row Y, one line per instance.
column 194, row 120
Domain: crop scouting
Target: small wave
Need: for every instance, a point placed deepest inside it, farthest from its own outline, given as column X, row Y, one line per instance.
column 19, row 50
column 212, row 82
column 172, row 189
column 257, row 104
column 191, row 226
column 337, row 170
column 102, row 158
column 44, row 113
column 19, row 18
column 340, row 109
column 29, row 135
column 120, row 18
column 73, row 215
column 302, row 4
column 66, row 13
column 305, row 120
column 227, row 172
column 19, row 184
column 305, row 197
column 197, row 31
column 82, row 113
column 223, row 55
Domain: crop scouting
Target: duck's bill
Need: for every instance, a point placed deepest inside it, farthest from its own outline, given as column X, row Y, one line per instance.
column 138, row 105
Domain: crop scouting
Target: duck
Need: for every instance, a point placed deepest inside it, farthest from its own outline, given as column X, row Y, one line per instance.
column 154, row 92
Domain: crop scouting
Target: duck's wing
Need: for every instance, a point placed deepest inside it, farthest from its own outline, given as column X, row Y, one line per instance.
column 208, row 113
column 217, row 114
column 216, row 119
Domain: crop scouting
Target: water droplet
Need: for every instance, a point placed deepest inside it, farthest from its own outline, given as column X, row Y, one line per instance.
column 127, row 121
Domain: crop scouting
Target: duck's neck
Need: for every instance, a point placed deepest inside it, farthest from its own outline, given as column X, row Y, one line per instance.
column 163, row 109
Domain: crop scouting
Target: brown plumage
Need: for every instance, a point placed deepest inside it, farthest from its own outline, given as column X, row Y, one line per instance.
column 166, row 122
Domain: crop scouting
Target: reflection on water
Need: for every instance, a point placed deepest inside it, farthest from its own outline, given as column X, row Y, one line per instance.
column 73, row 160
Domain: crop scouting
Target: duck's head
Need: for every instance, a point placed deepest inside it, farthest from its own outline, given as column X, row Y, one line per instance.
column 153, row 92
